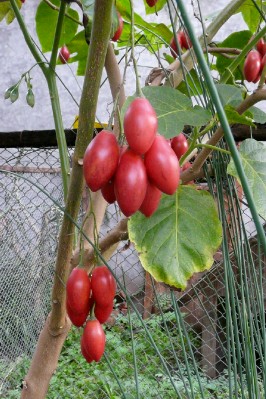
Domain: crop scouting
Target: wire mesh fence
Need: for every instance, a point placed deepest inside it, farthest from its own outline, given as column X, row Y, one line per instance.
column 162, row 343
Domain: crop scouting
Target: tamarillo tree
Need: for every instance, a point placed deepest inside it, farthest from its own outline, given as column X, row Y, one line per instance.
column 182, row 231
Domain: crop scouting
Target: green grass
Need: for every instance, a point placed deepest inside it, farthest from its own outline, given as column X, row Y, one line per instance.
column 76, row 379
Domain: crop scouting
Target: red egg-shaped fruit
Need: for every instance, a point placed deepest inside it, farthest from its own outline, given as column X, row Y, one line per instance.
column 140, row 125
column 185, row 40
column 78, row 291
column 100, row 160
column 151, row 3
column 261, row 47
column 78, row 319
column 64, row 54
column 180, row 145
column 119, row 30
column 84, row 353
column 103, row 286
column 93, row 340
column 162, row 166
column 102, row 313
column 173, row 46
column 130, row 182
column 108, row 192
column 151, row 200
column 252, row 66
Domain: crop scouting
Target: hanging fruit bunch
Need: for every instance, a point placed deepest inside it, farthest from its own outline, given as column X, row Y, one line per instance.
column 89, row 302
column 135, row 175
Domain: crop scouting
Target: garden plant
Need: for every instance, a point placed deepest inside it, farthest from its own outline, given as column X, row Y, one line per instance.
column 163, row 144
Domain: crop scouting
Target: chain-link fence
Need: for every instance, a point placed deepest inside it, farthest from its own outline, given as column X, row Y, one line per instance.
column 182, row 343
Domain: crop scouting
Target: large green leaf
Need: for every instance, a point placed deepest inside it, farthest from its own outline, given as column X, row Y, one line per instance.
column 253, row 156
column 46, row 20
column 174, row 110
column 180, row 238
column 251, row 14
column 7, row 12
column 235, row 40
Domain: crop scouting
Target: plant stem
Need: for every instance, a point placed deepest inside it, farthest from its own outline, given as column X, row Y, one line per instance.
column 224, row 123
column 138, row 86
column 213, row 148
column 40, row 369
column 60, row 132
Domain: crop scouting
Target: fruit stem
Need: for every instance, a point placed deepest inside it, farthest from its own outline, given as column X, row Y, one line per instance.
column 138, row 86
column 212, row 147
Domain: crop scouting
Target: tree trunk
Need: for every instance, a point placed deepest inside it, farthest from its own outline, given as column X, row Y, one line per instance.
column 52, row 337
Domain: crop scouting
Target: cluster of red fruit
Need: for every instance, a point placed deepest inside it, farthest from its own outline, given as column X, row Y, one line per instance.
column 255, row 62
column 135, row 176
column 183, row 40
column 85, row 294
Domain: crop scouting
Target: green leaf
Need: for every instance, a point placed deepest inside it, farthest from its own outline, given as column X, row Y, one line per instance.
column 7, row 12
column 180, row 238
column 174, row 110
column 229, row 94
column 158, row 6
column 250, row 14
column 253, row 156
column 259, row 116
column 46, row 20
column 234, row 117
column 235, row 40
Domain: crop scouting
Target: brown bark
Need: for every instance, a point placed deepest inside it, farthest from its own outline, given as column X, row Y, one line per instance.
column 45, row 360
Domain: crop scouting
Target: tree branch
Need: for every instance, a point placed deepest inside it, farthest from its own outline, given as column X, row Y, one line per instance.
column 114, row 236
column 191, row 173
column 57, row 322
column 97, row 206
